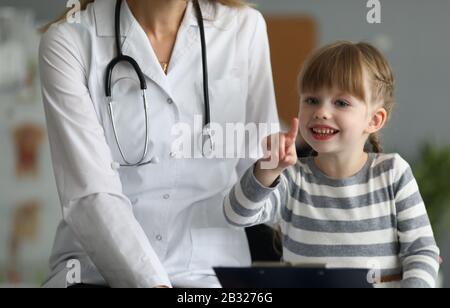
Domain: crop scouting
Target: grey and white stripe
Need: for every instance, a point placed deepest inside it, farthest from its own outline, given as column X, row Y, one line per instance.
column 377, row 215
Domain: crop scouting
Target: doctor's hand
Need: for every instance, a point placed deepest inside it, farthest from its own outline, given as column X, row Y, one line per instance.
column 279, row 153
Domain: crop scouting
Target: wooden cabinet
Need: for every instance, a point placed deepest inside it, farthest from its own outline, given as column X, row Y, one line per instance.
column 292, row 39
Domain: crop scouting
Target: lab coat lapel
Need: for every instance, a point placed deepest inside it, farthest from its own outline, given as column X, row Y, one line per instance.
column 138, row 46
column 135, row 42
column 187, row 39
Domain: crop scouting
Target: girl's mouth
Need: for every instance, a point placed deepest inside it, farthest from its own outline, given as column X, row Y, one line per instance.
column 323, row 134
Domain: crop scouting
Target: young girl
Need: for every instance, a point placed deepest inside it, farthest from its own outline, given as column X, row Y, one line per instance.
column 343, row 207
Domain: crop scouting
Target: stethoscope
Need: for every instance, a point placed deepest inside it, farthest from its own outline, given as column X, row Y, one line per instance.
column 207, row 142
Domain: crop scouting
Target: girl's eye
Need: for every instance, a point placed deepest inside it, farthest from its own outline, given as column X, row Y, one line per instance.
column 311, row 101
column 342, row 103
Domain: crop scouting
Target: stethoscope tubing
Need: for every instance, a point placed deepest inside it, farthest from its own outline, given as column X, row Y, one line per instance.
column 206, row 132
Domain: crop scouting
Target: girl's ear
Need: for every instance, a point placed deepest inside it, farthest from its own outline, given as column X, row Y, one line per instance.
column 377, row 121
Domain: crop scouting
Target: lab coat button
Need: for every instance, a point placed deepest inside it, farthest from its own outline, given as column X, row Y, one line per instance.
column 166, row 196
column 159, row 237
column 115, row 165
column 173, row 154
column 170, row 101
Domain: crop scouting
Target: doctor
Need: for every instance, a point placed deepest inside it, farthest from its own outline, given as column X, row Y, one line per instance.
column 136, row 213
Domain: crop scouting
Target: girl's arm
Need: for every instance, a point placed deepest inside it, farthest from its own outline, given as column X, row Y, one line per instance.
column 251, row 203
column 418, row 251
column 259, row 195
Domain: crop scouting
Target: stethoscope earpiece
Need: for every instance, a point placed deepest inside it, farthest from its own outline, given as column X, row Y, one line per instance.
column 207, row 140
column 155, row 160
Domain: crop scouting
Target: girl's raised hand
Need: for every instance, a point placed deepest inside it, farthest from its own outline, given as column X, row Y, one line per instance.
column 280, row 150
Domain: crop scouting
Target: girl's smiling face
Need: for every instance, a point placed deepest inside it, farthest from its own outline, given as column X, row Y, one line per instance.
column 332, row 121
column 347, row 92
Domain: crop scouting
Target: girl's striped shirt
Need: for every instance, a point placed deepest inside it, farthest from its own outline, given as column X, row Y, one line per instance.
column 375, row 219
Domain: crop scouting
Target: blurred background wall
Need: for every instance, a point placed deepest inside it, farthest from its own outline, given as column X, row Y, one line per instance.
column 413, row 34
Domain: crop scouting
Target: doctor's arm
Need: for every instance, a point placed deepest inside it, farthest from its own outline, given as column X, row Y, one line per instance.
column 90, row 191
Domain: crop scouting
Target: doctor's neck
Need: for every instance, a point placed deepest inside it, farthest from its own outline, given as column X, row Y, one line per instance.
column 158, row 18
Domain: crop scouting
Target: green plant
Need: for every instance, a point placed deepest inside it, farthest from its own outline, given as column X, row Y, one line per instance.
column 432, row 172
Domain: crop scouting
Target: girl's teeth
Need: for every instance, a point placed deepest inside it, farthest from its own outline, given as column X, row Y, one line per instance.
column 324, row 131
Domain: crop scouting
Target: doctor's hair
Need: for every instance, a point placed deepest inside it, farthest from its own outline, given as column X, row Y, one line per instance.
column 85, row 3
column 344, row 65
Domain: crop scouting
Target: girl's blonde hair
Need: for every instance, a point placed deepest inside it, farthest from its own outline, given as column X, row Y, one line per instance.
column 344, row 65
column 84, row 4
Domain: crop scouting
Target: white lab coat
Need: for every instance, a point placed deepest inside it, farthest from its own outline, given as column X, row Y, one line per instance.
column 161, row 223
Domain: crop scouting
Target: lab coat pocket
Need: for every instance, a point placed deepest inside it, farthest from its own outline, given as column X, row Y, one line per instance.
column 218, row 247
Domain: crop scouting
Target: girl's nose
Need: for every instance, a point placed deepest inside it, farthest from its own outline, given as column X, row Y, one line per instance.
column 322, row 113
